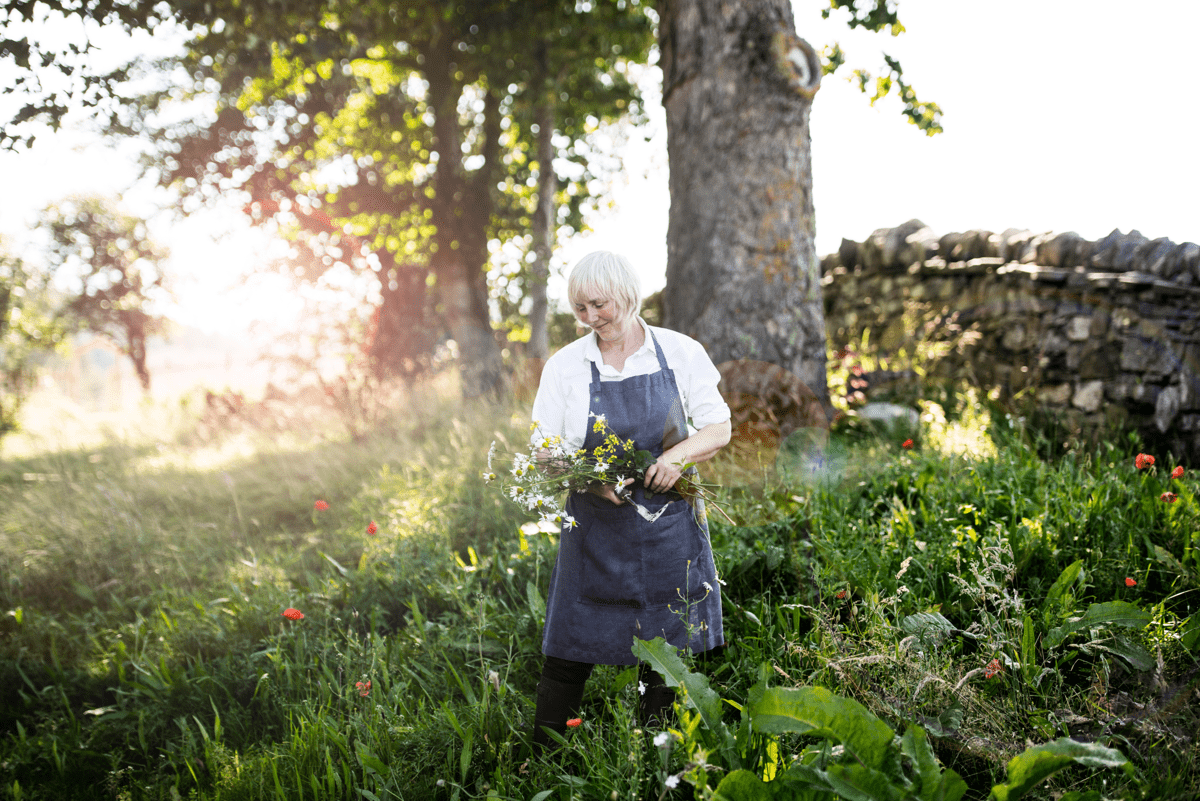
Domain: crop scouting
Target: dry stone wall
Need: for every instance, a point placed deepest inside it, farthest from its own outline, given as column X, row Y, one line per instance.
column 1097, row 333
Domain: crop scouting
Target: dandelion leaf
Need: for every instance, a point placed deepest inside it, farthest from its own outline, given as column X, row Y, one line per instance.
column 1031, row 766
column 743, row 785
column 933, row 784
column 1112, row 613
column 1191, row 633
column 663, row 658
column 1061, row 585
column 817, row 711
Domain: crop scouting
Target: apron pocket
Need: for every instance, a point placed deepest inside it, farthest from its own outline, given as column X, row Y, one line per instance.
column 610, row 573
column 667, row 546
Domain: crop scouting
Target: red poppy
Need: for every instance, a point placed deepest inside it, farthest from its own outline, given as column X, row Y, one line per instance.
column 1168, row 497
column 573, row 722
column 1130, row 582
column 907, row 444
column 993, row 669
column 293, row 614
column 372, row 528
column 1143, row 460
column 320, row 506
column 841, row 594
column 1177, row 472
column 363, row 687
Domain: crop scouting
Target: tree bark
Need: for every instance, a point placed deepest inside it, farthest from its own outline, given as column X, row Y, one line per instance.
column 742, row 272
column 460, row 242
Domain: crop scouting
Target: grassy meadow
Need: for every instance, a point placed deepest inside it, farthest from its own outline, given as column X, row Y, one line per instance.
column 919, row 617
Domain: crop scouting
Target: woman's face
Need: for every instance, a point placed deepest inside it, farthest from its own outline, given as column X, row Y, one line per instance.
column 600, row 314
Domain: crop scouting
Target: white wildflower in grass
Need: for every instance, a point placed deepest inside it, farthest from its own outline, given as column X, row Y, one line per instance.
column 662, row 738
column 672, row 782
column 642, row 691
column 904, row 567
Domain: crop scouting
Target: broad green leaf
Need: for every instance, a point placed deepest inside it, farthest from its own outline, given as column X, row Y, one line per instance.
column 372, row 762
column 1042, row 761
column 536, row 604
column 928, row 627
column 817, row 711
column 856, row 782
column 1062, row 584
column 934, row 784
column 1190, row 636
column 915, row 745
column 663, row 658
column 1137, row 656
column 1113, row 613
column 743, row 785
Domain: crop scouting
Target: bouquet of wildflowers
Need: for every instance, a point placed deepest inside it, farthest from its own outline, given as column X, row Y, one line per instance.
column 536, row 480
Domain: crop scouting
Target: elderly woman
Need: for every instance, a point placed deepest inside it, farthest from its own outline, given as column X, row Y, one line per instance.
column 627, row 569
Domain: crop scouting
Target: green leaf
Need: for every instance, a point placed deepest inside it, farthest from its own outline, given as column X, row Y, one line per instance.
column 928, row 627
column 743, row 785
column 663, row 658
column 1137, row 656
column 1113, row 613
column 1028, row 649
column 334, row 562
column 1062, row 584
column 860, row 783
column 818, row 712
column 934, row 784
column 1042, row 761
column 536, row 604
column 1190, row 636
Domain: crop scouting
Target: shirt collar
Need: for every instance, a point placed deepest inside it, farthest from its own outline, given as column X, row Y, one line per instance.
column 591, row 349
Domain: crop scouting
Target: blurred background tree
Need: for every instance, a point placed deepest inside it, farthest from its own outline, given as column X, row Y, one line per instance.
column 398, row 141
column 408, row 142
column 110, row 270
column 28, row 329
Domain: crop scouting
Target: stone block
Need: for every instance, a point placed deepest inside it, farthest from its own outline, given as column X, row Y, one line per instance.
column 1055, row 395
column 1149, row 356
column 1079, row 328
column 1088, row 396
column 1166, row 408
column 1096, row 362
column 1014, row 337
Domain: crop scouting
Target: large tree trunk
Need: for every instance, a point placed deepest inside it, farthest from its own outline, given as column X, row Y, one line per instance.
column 460, row 211
column 742, row 271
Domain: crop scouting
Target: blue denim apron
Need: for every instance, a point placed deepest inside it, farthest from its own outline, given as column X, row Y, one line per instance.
column 617, row 575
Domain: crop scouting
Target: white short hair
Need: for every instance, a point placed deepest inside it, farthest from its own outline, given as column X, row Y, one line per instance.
column 606, row 275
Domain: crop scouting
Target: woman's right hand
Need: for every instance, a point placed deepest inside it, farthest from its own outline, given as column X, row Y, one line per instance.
column 609, row 491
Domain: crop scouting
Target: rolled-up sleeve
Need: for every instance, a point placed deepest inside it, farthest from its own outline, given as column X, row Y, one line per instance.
column 703, row 404
column 549, row 406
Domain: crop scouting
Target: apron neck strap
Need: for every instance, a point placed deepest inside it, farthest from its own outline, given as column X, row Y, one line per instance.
column 662, row 360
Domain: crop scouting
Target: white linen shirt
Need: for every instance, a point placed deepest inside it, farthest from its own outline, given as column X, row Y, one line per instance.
column 563, row 399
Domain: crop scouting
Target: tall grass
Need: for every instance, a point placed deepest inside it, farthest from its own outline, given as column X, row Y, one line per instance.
column 143, row 653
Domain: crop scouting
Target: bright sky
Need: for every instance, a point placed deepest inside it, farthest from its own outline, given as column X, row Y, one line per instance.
column 1065, row 115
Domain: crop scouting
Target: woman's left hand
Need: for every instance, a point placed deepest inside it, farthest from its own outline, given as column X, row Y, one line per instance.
column 662, row 475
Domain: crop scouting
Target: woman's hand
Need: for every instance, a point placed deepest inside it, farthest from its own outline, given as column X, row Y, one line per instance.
column 609, row 491
column 662, row 475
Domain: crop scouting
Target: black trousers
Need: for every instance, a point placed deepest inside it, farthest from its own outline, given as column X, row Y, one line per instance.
column 560, row 692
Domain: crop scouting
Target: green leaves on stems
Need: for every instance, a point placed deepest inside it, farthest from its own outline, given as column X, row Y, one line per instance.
column 1041, row 761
